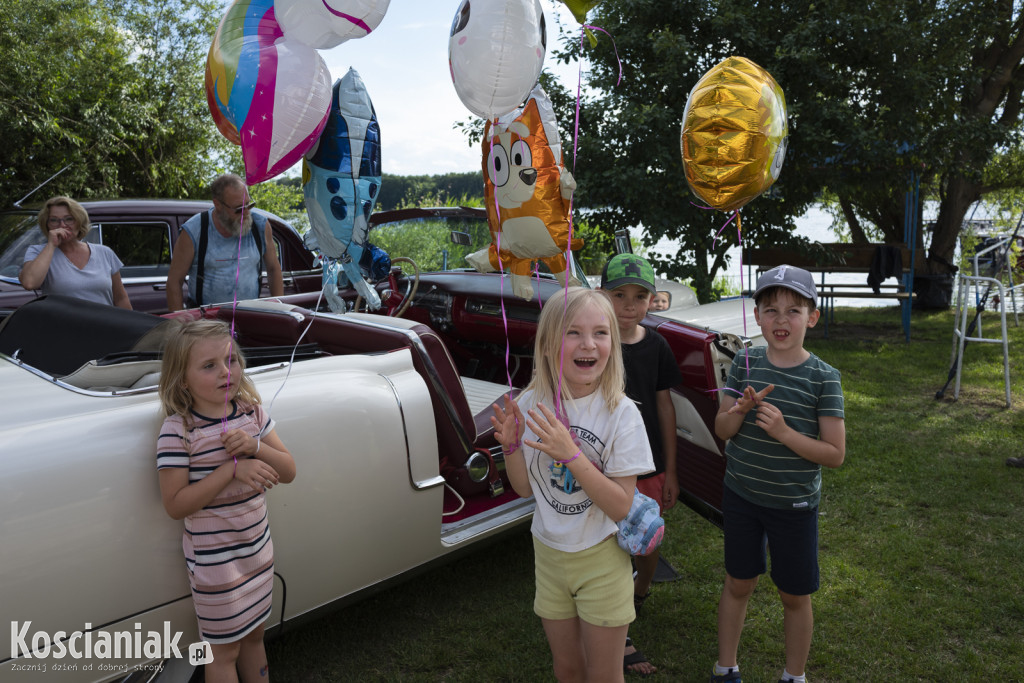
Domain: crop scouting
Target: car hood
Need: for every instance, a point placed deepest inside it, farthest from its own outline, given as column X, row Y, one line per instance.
column 725, row 316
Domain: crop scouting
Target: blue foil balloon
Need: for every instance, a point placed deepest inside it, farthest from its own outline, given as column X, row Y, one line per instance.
column 341, row 180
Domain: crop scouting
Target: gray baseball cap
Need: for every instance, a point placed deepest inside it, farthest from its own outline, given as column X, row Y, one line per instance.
column 790, row 277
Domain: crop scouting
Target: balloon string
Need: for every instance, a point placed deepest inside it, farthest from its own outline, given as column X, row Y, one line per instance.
column 568, row 250
column 614, row 46
column 234, row 305
column 735, row 216
column 536, row 272
column 739, row 241
column 291, row 360
column 743, row 300
column 501, row 280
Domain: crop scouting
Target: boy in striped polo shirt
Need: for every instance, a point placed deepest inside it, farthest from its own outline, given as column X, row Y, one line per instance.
column 783, row 419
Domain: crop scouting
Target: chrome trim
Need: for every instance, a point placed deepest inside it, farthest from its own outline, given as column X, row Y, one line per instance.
column 124, row 392
column 418, row 485
column 478, row 467
column 505, row 515
column 146, row 280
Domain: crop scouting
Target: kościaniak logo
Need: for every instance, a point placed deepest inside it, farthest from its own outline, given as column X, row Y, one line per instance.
column 89, row 644
column 200, row 653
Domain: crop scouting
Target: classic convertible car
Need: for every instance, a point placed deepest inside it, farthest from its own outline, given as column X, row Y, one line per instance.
column 387, row 417
column 143, row 233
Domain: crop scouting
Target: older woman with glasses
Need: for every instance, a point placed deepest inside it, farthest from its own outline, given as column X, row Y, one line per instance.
column 66, row 264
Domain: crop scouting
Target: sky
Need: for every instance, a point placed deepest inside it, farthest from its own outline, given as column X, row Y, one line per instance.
column 404, row 64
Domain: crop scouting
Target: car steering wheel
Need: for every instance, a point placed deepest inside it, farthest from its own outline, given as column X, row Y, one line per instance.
column 396, row 304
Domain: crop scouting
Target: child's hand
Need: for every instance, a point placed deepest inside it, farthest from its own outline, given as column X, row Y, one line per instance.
column 770, row 419
column 509, row 425
column 236, row 443
column 555, row 439
column 256, row 473
column 749, row 399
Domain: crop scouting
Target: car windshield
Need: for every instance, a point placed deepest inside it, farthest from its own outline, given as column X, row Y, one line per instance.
column 438, row 242
column 18, row 231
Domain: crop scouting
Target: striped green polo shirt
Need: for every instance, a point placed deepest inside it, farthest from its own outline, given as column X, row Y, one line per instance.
column 759, row 468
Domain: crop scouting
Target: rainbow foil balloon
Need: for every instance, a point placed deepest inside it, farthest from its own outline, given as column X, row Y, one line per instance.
column 266, row 92
column 733, row 138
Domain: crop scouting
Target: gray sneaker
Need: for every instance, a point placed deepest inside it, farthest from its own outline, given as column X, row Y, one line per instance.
column 1015, row 462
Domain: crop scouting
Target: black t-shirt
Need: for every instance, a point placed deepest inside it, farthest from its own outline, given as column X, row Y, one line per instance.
column 650, row 368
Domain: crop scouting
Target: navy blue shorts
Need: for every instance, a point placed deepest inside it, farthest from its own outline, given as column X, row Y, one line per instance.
column 792, row 536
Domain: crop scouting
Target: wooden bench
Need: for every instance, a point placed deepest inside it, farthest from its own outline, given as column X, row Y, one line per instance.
column 841, row 257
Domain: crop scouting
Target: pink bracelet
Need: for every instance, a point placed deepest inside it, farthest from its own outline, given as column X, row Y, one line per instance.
column 234, row 471
column 512, row 448
column 566, row 462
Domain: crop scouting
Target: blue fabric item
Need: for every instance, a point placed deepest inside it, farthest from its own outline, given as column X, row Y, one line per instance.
column 643, row 529
column 375, row 263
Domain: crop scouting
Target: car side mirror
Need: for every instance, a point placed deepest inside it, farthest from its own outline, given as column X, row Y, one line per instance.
column 461, row 238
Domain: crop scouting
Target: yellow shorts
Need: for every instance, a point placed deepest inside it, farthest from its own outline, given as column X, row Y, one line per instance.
column 595, row 584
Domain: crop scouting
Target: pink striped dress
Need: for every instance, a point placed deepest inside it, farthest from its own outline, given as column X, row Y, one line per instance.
column 228, row 551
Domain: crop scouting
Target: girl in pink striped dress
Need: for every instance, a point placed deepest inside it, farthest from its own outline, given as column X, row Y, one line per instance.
column 217, row 455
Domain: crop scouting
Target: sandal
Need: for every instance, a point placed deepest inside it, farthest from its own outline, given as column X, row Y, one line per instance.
column 634, row 658
column 639, row 600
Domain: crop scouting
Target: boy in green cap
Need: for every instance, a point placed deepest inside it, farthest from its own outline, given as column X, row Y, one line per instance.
column 651, row 372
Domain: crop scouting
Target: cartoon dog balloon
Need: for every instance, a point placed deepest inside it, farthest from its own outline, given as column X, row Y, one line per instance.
column 528, row 192
column 340, row 180
column 495, row 53
column 733, row 138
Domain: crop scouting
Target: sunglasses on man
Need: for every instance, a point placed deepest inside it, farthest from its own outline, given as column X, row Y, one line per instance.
column 239, row 209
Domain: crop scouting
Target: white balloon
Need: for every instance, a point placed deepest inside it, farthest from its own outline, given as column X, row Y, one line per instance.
column 327, row 23
column 302, row 100
column 495, row 53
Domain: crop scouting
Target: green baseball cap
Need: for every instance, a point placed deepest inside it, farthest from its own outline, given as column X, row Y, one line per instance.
column 628, row 269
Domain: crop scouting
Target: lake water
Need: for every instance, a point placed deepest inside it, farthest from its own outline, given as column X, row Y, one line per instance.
column 814, row 225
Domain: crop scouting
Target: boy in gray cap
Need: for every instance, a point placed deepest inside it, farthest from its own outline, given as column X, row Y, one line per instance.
column 782, row 415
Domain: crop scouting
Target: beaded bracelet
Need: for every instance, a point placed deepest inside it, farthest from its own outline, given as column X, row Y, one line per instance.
column 566, row 462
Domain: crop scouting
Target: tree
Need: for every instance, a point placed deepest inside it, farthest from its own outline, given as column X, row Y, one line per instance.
column 629, row 167
column 112, row 91
column 874, row 90
column 908, row 88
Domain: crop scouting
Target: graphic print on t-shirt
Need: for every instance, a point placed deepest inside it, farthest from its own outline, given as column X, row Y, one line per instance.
column 563, row 493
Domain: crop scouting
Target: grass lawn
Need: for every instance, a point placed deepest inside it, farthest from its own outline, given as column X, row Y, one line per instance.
column 920, row 549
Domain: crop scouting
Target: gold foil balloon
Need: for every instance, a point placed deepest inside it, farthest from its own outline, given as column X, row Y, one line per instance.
column 579, row 8
column 733, row 137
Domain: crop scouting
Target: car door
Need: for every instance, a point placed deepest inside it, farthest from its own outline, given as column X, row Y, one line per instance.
column 144, row 246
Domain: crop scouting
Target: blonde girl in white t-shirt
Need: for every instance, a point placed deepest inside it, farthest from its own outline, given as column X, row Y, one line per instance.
column 574, row 442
